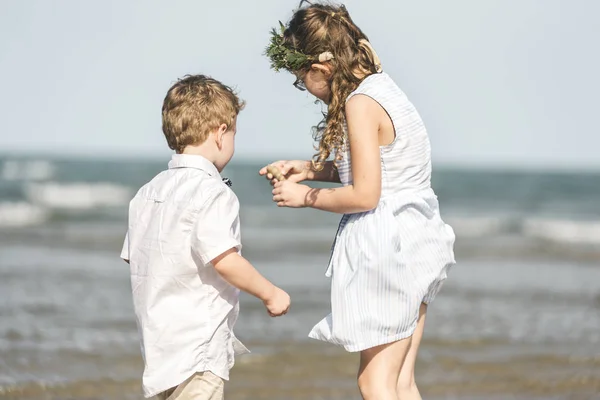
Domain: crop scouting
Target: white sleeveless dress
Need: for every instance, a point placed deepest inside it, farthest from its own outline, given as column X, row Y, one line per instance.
column 386, row 262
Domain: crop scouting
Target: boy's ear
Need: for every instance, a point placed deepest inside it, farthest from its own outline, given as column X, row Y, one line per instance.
column 219, row 134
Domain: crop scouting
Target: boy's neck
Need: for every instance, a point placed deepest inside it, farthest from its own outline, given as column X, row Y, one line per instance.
column 200, row 150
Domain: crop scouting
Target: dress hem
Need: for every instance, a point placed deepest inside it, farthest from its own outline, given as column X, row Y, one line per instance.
column 353, row 348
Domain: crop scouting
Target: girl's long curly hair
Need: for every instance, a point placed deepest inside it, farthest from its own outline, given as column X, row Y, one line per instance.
column 321, row 28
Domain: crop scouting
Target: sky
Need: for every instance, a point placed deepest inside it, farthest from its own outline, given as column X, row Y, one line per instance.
column 499, row 83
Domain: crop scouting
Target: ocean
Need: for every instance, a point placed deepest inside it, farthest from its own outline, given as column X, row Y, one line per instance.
column 519, row 317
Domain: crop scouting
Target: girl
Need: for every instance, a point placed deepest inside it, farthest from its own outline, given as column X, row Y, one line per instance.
column 392, row 250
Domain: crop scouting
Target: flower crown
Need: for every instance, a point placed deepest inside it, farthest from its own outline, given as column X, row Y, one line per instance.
column 284, row 56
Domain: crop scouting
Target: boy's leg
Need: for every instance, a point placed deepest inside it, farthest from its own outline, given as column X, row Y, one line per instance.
column 164, row 395
column 200, row 386
column 379, row 370
column 407, row 388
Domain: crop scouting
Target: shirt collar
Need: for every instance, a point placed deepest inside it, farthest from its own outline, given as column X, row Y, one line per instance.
column 193, row 161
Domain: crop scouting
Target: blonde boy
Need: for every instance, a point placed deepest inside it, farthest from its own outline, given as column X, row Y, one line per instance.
column 183, row 246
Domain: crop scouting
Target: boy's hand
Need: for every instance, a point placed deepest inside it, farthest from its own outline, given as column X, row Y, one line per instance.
column 293, row 171
column 236, row 270
column 278, row 303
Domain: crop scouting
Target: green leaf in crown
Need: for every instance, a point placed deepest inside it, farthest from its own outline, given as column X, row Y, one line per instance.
column 282, row 55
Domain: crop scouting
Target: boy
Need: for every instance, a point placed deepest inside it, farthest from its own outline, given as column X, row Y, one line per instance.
column 183, row 247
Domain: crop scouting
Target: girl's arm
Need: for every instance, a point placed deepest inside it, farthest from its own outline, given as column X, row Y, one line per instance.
column 362, row 115
column 298, row 171
column 329, row 173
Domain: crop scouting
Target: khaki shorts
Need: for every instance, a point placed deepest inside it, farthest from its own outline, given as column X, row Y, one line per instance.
column 200, row 386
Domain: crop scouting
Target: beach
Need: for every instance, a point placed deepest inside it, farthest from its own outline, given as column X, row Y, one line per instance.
column 518, row 318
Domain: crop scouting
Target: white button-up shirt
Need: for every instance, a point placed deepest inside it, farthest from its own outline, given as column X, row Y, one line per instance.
column 178, row 222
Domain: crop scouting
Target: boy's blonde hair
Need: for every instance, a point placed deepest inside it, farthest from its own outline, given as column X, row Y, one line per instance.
column 195, row 106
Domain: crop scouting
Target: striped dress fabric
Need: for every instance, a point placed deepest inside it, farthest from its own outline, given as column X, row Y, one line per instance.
column 386, row 262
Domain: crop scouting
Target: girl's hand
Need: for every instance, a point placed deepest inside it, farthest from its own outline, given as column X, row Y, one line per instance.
column 290, row 194
column 293, row 171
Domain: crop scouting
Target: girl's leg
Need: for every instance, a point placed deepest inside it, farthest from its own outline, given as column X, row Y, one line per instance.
column 407, row 388
column 380, row 368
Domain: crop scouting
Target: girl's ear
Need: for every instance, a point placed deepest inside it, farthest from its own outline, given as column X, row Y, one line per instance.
column 324, row 68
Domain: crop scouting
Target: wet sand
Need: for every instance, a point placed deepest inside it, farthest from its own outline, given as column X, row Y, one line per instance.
column 289, row 371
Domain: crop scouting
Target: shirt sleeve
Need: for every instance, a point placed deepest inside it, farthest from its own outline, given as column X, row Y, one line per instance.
column 125, row 249
column 217, row 226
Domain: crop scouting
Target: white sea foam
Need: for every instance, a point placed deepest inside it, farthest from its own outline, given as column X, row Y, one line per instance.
column 477, row 226
column 563, row 230
column 574, row 231
column 15, row 214
column 27, row 170
column 77, row 196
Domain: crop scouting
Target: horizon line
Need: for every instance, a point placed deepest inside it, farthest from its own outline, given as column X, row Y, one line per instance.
column 255, row 159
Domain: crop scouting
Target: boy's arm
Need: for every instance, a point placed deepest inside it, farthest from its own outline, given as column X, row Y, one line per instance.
column 236, row 270
column 214, row 242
